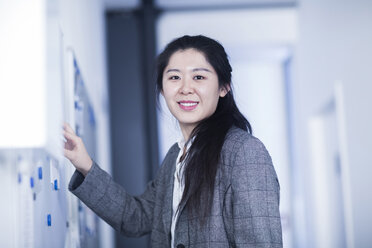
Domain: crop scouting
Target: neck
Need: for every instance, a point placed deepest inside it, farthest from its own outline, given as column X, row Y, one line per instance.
column 186, row 130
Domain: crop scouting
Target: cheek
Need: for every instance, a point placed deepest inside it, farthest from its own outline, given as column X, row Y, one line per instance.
column 168, row 94
column 215, row 102
column 210, row 94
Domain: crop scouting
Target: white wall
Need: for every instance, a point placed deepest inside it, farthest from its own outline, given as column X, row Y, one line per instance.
column 335, row 45
column 30, row 48
column 22, row 74
column 83, row 27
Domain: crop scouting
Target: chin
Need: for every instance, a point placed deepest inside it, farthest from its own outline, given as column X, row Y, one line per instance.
column 188, row 122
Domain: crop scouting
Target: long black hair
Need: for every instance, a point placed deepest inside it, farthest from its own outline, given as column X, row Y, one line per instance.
column 209, row 135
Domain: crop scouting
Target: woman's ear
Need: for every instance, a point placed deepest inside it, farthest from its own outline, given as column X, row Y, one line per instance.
column 224, row 90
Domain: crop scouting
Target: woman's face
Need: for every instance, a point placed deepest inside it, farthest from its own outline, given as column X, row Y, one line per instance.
column 190, row 88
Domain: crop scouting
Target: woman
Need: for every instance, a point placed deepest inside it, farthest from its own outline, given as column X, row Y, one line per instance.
column 216, row 188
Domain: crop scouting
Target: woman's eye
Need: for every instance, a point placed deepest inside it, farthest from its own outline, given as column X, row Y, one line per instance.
column 174, row 77
column 198, row 77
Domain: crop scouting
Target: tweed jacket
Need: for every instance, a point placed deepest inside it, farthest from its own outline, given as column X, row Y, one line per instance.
column 245, row 208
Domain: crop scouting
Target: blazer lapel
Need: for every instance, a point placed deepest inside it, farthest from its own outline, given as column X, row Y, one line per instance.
column 170, row 163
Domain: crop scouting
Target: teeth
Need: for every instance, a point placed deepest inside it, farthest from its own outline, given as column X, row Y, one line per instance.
column 188, row 104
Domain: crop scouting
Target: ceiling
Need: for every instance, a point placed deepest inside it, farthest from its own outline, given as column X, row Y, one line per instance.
column 179, row 4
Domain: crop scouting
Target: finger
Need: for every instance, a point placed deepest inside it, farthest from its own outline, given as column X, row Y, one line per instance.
column 68, row 146
column 68, row 128
column 70, row 137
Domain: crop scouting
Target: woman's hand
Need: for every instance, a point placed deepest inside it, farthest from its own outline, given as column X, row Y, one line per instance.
column 75, row 150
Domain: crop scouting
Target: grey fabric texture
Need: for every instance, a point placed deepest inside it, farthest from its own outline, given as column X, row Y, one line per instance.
column 245, row 208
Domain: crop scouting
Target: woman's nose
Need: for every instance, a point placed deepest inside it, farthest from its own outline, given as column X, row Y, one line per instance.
column 187, row 87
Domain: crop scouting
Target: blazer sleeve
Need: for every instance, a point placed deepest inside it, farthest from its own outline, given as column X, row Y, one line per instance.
column 255, row 196
column 130, row 215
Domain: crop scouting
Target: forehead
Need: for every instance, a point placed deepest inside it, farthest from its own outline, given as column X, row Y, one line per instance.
column 188, row 58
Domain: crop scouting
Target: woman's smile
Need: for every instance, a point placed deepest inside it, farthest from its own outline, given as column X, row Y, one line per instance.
column 188, row 105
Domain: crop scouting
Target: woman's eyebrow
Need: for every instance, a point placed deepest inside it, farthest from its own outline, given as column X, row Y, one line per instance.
column 201, row 69
column 170, row 70
column 193, row 70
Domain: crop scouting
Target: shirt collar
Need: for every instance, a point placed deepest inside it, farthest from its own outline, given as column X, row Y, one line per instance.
column 181, row 142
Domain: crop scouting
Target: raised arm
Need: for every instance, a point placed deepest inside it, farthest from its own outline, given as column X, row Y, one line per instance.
column 131, row 215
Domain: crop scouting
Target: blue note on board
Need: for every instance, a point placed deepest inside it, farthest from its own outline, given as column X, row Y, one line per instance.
column 49, row 220
column 31, row 182
column 19, row 177
column 40, row 173
column 92, row 119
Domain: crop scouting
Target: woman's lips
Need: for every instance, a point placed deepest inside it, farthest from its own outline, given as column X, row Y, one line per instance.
column 188, row 105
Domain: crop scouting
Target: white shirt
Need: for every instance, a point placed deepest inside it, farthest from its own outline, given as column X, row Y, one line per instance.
column 178, row 187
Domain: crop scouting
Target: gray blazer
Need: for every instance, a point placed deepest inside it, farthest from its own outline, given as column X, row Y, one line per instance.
column 245, row 209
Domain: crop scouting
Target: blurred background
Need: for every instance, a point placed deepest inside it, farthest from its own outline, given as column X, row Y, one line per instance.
column 302, row 76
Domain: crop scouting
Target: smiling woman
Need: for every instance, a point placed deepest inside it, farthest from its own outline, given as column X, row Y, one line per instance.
column 217, row 187
column 190, row 88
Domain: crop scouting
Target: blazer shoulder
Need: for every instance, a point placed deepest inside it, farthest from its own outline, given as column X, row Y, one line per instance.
column 241, row 145
column 173, row 149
